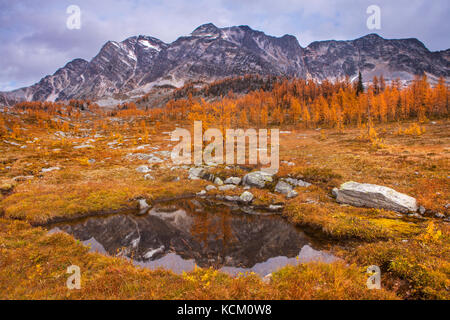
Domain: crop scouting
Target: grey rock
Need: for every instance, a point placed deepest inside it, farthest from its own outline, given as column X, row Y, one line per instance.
column 210, row 187
column 233, row 180
column 257, row 179
column 283, row 187
column 218, row 181
column 297, row 182
column 227, row 187
column 439, row 215
column 149, row 177
column 292, row 194
column 246, row 197
column 422, row 210
column 375, row 196
column 232, row 198
column 196, row 173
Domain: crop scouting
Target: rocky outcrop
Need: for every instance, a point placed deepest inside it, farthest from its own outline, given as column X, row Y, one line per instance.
column 374, row 196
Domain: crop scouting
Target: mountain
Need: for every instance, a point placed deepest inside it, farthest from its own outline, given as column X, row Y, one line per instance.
column 132, row 67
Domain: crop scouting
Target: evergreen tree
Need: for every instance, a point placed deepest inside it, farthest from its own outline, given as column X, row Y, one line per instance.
column 360, row 86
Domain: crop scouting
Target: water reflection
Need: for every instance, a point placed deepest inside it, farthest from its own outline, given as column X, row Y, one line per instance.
column 180, row 235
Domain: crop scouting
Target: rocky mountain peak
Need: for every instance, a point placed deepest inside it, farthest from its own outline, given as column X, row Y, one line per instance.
column 135, row 65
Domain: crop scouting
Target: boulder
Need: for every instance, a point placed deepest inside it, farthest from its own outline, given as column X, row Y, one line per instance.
column 218, row 181
column 257, row 179
column 374, row 196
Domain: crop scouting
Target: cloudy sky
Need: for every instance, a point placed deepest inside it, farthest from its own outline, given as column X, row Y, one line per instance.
column 35, row 41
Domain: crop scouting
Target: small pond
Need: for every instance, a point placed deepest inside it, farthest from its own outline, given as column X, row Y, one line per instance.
column 182, row 234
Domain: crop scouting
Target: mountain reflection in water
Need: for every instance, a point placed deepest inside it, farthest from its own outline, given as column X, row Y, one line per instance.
column 188, row 233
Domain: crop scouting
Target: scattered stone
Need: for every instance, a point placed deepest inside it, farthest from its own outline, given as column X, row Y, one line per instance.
column 283, row 187
column 375, row 196
column 210, row 187
column 292, row 194
column 232, row 198
column 227, row 187
column 447, row 206
column 143, row 169
column 422, row 210
column 439, row 215
column 246, row 197
column 218, row 181
column 50, row 169
column 91, row 161
column 297, row 182
column 257, row 179
column 148, row 176
column 233, row 180
column 196, row 173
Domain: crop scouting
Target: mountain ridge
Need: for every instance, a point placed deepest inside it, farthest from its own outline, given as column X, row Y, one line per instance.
column 130, row 68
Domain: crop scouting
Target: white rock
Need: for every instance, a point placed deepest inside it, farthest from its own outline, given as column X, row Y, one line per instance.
column 375, row 196
column 218, row 181
column 210, row 187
